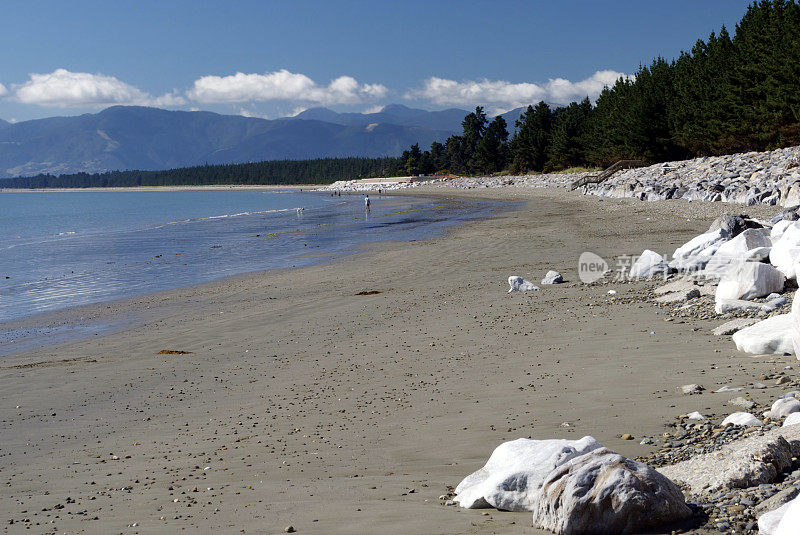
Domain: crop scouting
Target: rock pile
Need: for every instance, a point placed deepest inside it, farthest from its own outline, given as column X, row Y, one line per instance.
column 771, row 178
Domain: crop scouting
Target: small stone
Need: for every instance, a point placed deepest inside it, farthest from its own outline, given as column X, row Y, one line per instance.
column 742, row 403
column 627, row 436
column 783, row 380
column 289, row 529
column 690, row 389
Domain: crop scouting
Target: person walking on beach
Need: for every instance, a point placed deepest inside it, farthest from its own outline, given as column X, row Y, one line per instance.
column 366, row 203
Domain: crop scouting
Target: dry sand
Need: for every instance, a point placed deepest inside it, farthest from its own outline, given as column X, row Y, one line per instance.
column 303, row 403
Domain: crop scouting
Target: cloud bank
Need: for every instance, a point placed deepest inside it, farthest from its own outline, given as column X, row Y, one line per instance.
column 502, row 94
column 62, row 88
column 282, row 85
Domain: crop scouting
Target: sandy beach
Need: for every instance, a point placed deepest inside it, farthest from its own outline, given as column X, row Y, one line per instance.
column 347, row 397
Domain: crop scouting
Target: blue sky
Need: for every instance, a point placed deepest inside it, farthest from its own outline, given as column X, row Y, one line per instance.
column 271, row 59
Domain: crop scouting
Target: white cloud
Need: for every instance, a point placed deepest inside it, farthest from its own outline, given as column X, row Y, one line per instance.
column 3, row 90
column 247, row 113
column 561, row 91
column 282, row 85
column 374, row 109
column 502, row 94
column 64, row 89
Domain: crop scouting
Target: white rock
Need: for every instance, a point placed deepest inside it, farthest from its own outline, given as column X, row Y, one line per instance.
column 695, row 254
column 773, row 304
column 612, row 292
column 782, row 521
column 792, row 419
column 734, row 251
column 742, row 419
column 648, row 265
column 729, row 305
column 518, row 284
column 732, row 326
column 779, row 228
column 759, row 254
column 783, row 407
column 695, row 416
column 786, row 250
column 552, row 277
column 681, row 285
column 691, row 389
column 795, row 325
column 740, row 464
column 749, row 280
column 770, row 336
column 603, row 493
column 513, row 475
column 741, row 403
column 790, row 523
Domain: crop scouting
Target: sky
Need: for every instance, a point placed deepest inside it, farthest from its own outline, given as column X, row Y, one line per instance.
column 276, row 58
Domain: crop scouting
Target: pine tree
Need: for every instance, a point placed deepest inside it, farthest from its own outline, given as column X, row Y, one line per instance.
column 491, row 152
column 474, row 126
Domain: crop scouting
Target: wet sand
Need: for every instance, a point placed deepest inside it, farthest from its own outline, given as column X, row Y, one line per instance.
column 300, row 402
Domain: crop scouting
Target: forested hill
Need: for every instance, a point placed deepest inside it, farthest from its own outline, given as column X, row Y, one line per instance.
column 282, row 172
column 727, row 93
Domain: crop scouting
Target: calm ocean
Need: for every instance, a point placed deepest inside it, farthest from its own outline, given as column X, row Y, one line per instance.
column 62, row 249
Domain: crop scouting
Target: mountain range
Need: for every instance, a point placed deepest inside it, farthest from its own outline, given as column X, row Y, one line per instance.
column 133, row 137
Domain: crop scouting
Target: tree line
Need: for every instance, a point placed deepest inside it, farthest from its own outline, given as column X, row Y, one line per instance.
column 276, row 172
column 727, row 94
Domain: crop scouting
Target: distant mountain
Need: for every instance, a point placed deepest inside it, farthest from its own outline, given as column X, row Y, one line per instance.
column 448, row 120
column 4, row 124
column 132, row 137
column 512, row 116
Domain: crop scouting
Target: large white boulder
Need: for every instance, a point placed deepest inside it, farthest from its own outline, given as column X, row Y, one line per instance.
column 790, row 523
column 795, row 325
column 786, row 250
column 792, row 419
column 734, row 251
column 782, row 521
column 780, row 227
column 518, row 284
column 783, row 407
column 695, row 254
column 770, row 336
column 603, row 493
column 514, row 473
column 749, row 280
column 742, row 419
column 648, row 265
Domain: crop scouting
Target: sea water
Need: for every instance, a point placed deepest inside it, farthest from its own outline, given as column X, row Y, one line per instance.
column 63, row 249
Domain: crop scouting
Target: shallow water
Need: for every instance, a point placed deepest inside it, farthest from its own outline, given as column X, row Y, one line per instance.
column 63, row 249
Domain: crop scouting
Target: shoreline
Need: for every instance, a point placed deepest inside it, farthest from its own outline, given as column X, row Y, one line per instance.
column 219, row 187
column 86, row 320
column 327, row 408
